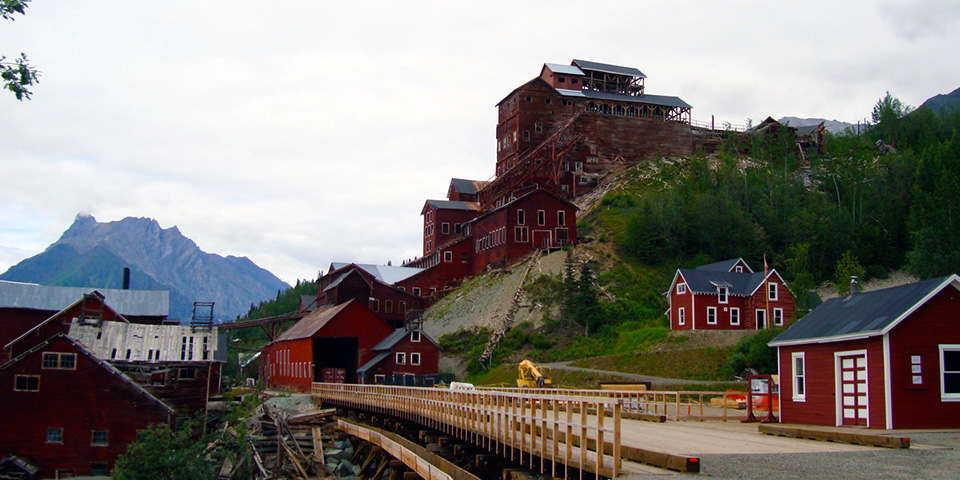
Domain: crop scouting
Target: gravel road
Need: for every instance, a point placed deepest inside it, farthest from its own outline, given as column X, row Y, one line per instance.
column 934, row 455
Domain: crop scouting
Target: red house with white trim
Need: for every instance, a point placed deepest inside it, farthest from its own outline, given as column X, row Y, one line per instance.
column 407, row 352
column 728, row 295
column 883, row 359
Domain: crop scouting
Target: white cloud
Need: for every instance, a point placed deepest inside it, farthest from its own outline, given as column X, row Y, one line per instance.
column 299, row 133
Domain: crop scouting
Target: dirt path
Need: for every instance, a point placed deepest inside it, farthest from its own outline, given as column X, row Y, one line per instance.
column 656, row 381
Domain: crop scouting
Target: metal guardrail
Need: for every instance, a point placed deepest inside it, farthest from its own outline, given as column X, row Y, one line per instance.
column 559, row 428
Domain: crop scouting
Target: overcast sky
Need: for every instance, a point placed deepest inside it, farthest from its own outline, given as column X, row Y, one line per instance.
column 298, row 133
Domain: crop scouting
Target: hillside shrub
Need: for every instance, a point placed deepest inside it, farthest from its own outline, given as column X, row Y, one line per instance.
column 753, row 352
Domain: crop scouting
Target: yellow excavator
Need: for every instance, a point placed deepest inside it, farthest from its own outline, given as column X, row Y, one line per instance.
column 532, row 376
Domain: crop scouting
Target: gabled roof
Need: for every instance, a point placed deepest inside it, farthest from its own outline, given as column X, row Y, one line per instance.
column 563, row 69
column 450, row 205
column 399, row 334
column 345, row 273
column 724, row 266
column 707, row 281
column 309, row 325
column 84, row 351
column 155, row 303
column 862, row 315
column 373, row 362
column 523, row 197
column 606, row 68
column 94, row 293
column 467, row 187
column 384, row 273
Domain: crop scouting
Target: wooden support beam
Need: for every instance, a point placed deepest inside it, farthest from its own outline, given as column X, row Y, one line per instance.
column 829, row 435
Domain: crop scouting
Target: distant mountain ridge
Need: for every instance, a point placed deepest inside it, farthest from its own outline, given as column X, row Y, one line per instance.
column 943, row 102
column 93, row 254
column 833, row 126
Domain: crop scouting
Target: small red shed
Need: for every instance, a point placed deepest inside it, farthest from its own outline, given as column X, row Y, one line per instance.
column 883, row 359
column 70, row 413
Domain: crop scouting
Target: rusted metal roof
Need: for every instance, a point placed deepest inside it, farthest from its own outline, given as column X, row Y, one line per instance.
column 150, row 343
column 450, row 205
column 385, row 273
column 467, row 187
column 153, row 303
column 662, row 100
column 309, row 325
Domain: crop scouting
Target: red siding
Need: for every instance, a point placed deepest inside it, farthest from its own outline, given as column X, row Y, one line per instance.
column 429, row 359
column 820, row 407
column 934, row 323
column 78, row 401
column 696, row 308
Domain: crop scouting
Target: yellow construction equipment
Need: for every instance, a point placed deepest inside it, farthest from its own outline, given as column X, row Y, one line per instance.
column 532, row 376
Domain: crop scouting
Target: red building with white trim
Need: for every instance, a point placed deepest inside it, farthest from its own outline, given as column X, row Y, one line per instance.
column 728, row 295
column 883, row 359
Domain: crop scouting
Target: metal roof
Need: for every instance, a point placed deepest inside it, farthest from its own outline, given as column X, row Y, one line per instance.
column 154, row 303
column 707, row 281
column 864, row 314
column 469, row 187
column 606, row 68
column 563, row 69
column 662, row 100
column 372, row 363
column 724, row 266
column 385, row 273
column 450, row 205
column 309, row 325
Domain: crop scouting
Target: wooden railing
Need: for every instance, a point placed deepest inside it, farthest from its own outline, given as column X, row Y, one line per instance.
column 673, row 405
column 561, row 428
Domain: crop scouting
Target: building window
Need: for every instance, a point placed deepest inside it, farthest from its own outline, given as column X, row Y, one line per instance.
column 414, row 358
column 711, row 315
column 541, row 217
column 950, row 373
column 444, row 228
column 401, row 358
column 389, row 306
column 538, row 127
column 520, row 217
column 565, row 166
column 529, row 98
column 772, row 290
column 722, row 294
column 574, row 81
column 778, row 317
column 734, row 316
column 415, row 336
column 564, row 188
column 463, row 258
column 60, row 361
column 447, row 256
column 457, row 228
column 187, row 373
column 561, row 79
column 681, row 316
column 375, row 305
column 526, row 134
column 561, row 218
column 99, row 438
column 403, row 307
column 799, row 377
column 592, row 160
column 26, row 383
column 416, row 291
column 578, row 166
column 100, row 469
column 681, row 288
column 739, row 269
column 54, row 435
column 761, row 319
column 520, row 235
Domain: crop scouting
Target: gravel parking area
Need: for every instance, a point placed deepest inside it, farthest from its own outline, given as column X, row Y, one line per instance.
column 934, row 455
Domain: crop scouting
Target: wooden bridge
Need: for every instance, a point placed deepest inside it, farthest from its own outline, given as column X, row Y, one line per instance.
column 555, row 432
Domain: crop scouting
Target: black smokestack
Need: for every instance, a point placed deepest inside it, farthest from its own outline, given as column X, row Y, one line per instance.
column 126, row 278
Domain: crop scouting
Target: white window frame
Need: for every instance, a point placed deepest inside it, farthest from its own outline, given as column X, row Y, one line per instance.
column 561, row 218
column 800, row 379
column 414, row 358
column 59, row 361
column 681, row 288
column 772, row 291
column 447, row 256
column 55, row 435
column 723, row 294
column 681, row 316
column 541, row 217
column 778, row 317
column 106, row 438
column 734, row 313
column 401, row 358
column 711, row 315
column 415, row 336
column 766, row 321
column 944, row 395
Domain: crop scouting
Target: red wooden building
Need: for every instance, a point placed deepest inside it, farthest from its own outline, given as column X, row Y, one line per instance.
column 327, row 345
column 68, row 412
column 728, row 295
column 461, row 190
column 442, row 270
column 536, row 220
column 883, row 359
column 381, row 287
column 443, row 222
column 573, row 125
column 407, row 353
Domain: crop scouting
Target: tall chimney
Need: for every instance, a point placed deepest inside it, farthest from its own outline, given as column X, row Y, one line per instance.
column 854, row 286
column 126, row 278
